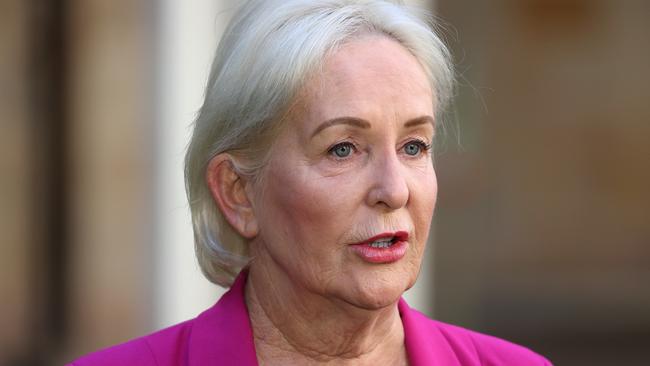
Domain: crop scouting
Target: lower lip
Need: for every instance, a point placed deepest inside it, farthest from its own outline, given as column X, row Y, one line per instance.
column 391, row 254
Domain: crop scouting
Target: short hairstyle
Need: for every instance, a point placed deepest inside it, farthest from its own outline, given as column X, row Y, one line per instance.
column 268, row 51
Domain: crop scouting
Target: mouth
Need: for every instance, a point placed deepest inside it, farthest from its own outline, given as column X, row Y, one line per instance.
column 386, row 240
column 383, row 248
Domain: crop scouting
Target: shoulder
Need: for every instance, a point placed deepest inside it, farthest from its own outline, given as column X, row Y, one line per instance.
column 490, row 351
column 220, row 335
column 165, row 347
column 466, row 347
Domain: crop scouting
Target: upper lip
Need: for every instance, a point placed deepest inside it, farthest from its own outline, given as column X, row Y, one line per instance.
column 396, row 236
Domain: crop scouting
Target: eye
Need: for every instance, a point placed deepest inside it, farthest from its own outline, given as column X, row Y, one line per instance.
column 342, row 150
column 416, row 147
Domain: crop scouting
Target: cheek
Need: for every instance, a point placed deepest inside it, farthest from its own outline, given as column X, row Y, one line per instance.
column 433, row 190
column 301, row 210
column 425, row 202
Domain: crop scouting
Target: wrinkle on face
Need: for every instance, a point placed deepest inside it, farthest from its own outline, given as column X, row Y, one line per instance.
column 315, row 205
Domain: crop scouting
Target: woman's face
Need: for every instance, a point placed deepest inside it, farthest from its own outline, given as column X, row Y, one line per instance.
column 351, row 164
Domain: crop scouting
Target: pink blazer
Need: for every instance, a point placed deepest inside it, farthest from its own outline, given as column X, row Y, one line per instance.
column 222, row 335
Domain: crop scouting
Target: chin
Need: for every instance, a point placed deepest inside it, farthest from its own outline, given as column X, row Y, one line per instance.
column 375, row 290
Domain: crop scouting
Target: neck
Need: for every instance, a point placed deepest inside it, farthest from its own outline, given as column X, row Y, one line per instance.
column 293, row 326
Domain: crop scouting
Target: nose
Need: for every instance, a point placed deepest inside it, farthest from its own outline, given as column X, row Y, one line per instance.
column 389, row 186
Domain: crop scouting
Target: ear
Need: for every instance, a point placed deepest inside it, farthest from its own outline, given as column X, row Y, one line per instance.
column 229, row 191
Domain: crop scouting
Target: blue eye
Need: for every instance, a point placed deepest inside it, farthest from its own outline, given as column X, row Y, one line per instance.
column 414, row 148
column 342, row 150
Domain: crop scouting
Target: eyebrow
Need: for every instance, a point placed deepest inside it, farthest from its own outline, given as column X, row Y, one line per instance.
column 421, row 121
column 351, row 121
column 362, row 123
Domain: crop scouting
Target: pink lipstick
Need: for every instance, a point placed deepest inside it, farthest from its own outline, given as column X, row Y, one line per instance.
column 383, row 248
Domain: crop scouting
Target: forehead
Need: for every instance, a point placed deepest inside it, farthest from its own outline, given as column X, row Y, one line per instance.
column 371, row 74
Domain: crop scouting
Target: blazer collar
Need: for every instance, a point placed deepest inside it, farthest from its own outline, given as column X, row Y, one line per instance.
column 425, row 344
column 222, row 335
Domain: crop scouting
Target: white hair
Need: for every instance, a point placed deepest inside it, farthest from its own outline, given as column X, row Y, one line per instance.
column 268, row 51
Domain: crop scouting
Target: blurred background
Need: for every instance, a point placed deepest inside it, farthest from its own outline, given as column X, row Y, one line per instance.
column 542, row 230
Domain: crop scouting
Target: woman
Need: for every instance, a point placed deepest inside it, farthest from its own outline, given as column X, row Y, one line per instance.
column 312, row 188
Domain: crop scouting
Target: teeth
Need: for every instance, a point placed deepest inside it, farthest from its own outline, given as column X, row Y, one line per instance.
column 382, row 243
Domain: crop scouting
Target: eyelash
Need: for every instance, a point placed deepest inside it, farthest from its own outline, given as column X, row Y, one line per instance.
column 424, row 147
column 331, row 150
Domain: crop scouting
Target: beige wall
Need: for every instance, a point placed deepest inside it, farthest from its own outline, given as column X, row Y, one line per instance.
column 105, row 89
column 543, row 222
column 110, row 180
column 15, row 175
